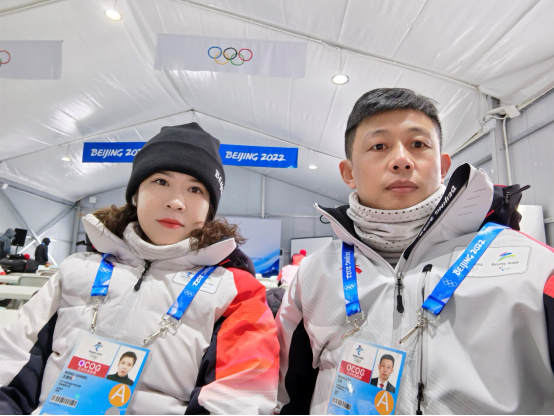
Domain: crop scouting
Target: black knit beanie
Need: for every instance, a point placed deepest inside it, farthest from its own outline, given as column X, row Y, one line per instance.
column 185, row 149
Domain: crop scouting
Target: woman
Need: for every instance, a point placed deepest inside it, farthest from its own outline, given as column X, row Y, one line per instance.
column 220, row 357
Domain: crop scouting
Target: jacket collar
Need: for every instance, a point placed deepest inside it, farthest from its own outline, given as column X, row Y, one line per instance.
column 134, row 252
column 470, row 201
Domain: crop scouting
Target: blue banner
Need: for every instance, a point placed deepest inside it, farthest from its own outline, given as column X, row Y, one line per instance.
column 260, row 156
column 236, row 155
column 119, row 152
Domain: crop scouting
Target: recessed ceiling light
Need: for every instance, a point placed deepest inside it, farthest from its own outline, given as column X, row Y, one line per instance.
column 312, row 167
column 340, row 79
column 66, row 159
column 113, row 14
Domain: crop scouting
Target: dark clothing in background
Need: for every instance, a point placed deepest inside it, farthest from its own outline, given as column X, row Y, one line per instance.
column 274, row 298
column 125, row 380
column 6, row 242
column 18, row 265
column 41, row 254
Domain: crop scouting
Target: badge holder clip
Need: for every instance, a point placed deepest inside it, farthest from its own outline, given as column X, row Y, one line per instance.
column 96, row 302
column 356, row 326
column 167, row 324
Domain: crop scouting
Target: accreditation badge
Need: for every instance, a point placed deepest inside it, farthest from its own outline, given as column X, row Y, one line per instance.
column 368, row 379
column 99, row 378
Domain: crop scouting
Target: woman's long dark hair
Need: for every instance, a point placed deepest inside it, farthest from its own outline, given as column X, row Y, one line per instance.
column 212, row 231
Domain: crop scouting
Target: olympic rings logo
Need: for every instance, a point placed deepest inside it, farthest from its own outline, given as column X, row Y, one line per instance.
column 188, row 293
column 350, row 287
column 2, row 62
column 104, row 269
column 449, row 283
column 236, row 55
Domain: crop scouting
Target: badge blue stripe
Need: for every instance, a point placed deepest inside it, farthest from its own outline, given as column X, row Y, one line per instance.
column 177, row 310
column 350, row 281
column 103, row 278
column 452, row 279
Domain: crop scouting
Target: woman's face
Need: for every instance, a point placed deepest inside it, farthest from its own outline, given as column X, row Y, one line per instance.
column 124, row 366
column 170, row 206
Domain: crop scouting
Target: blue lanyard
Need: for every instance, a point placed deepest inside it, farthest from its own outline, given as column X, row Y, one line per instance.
column 452, row 279
column 184, row 300
column 350, row 281
column 103, row 278
column 177, row 310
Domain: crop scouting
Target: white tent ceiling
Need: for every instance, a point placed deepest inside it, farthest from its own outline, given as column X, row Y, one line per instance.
column 454, row 52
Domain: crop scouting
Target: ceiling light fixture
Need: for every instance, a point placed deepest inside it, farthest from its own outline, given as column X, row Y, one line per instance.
column 113, row 14
column 66, row 157
column 312, row 166
column 340, row 79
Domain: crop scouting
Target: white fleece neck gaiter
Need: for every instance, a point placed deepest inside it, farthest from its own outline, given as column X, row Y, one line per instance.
column 391, row 231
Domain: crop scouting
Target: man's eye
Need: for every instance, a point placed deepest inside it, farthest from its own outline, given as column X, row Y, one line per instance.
column 418, row 145
column 379, row 146
column 195, row 190
column 162, row 182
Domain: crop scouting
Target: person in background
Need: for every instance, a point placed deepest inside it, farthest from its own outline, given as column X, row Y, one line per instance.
column 288, row 272
column 6, row 242
column 41, row 252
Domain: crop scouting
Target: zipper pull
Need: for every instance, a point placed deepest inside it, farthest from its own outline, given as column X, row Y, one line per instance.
column 420, row 397
column 421, row 322
column 399, row 286
column 143, row 275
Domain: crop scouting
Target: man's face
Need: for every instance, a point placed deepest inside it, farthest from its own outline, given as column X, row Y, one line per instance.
column 170, row 206
column 124, row 366
column 396, row 160
column 385, row 369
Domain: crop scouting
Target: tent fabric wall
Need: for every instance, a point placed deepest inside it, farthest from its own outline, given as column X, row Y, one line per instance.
column 242, row 197
column 38, row 212
column 530, row 156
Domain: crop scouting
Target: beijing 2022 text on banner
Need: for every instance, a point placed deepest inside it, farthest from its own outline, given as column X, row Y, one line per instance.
column 260, row 156
column 235, row 155
column 240, row 56
column 31, row 59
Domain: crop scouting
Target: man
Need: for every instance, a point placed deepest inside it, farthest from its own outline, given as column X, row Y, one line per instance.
column 386, row 367
column 490, row 350
column 41, row 252
column 6, row 242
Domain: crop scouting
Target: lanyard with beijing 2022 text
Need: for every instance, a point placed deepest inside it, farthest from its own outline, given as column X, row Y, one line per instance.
column 174, row 314
column 452, row 279
column 350, row 287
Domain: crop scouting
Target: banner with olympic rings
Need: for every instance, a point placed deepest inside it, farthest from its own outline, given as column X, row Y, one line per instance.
column 30, row 59
column 241, row 56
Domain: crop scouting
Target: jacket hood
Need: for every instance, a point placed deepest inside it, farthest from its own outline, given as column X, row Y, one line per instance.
column 469, row 202
column 133, row 250
column 10, row 233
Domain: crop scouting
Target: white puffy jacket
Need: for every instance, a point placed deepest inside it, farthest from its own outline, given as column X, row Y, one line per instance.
column 223, row 358
column 491, row 350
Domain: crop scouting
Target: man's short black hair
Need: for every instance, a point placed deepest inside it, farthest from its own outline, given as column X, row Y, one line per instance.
column 129, row 354
column 381, row 100
column 387, row 357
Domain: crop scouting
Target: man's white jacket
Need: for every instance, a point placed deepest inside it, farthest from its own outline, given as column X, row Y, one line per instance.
column 491, row 350
column 222, row 359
